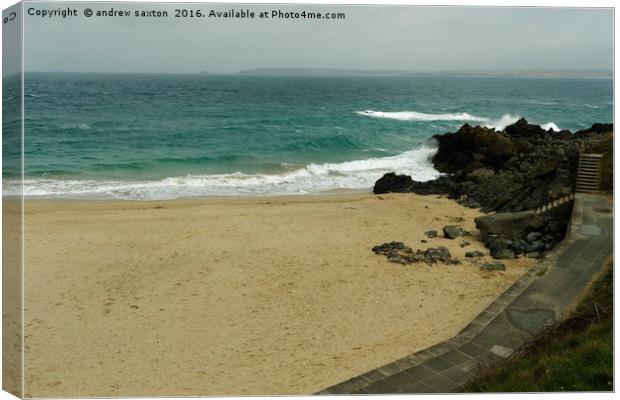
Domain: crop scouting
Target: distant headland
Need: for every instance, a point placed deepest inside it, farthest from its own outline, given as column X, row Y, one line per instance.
column 523, row 73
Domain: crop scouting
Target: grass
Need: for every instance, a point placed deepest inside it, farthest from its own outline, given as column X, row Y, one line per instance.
column 575, row 354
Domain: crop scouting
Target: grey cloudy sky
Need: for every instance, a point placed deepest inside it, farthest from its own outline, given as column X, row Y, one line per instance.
column 371, row 37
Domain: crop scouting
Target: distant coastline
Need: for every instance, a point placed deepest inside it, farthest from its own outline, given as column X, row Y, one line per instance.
column 524, row 73
column 356, row 72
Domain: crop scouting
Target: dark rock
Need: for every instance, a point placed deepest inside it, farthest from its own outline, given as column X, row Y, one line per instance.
column 537, row 245
column 439, row 254
column 452, row 231
column 464, row 243
column 399, row 259
column 397, row 252
column 456, row 150
column 508, row 224
column 497, row 243
column 519, row 246
column 533, row 236
column 475, row 253
column 493, row 266
column 441, row 185
column 504, row 254
column 596, row 128
column 392, row 183
column 522, row 128
column 430, row 234
column 547, row 238
column 391, row 247
column 423, row 241
column 520, row 169
column 514, row 171
column 524, row 167
column 557, row 226
column 481, row 174
column 534, row 254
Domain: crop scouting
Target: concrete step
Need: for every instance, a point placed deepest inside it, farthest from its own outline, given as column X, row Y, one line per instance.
column 588, row 173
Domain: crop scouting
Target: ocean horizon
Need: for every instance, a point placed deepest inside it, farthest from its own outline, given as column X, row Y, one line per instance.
column 166, row 136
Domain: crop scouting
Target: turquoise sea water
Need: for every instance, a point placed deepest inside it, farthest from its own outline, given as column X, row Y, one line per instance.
column 133, row 136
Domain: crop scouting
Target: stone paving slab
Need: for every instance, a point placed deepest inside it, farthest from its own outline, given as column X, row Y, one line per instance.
column 542, row 296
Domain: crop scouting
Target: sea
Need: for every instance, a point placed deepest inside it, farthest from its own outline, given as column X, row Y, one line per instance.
column 166, row 136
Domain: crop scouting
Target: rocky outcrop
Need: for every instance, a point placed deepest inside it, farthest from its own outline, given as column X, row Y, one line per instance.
column 471, row 148
column 512, row 172
column 508, row 235
column 398, row 252
column 392, row 183
column 594, row 130
column 520, row 168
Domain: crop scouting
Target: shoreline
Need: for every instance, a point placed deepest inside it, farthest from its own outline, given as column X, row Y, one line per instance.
column 246, row 296
column 322, row 194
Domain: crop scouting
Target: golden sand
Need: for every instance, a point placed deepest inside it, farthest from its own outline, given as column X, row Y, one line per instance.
column 244, row 296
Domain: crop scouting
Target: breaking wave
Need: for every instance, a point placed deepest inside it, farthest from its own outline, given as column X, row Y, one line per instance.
column 498, row 124
column 418, row 116
column 313, row 178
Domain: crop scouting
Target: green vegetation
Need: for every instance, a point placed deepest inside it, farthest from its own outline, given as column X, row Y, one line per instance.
column 574, row 355
column 607, row 164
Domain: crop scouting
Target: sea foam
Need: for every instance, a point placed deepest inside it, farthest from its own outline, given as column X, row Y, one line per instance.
column 313, row 178
column 418, row 116
column 498, row 124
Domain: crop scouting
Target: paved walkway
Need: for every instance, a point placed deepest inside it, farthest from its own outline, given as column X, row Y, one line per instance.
column 540, row 297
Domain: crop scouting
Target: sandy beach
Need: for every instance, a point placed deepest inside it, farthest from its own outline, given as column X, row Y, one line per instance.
column 238, row 296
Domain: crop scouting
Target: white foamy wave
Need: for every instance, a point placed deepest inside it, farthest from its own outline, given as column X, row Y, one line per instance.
column 497, row 124
column 418, row 116
column 503, row 122
column 313, row 178
column 550, row 125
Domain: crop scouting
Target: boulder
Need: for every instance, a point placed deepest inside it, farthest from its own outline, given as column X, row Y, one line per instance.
column 537, row 245
column 508, row 224
column 453, row 231
column 522, row 128
column 456, row 150
column 439, row 254
column 504, row 254
column 496, row 243
column 519, row 246
column 430, row 234
column 474, row 254
column 493, row 266
column 392, row 183
column 533, row 236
